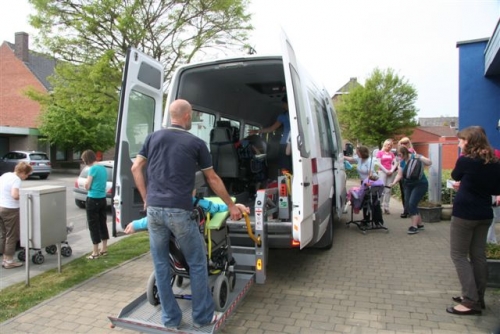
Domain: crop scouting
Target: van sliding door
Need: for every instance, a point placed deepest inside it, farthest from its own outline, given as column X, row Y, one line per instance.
column 139, row 114
column 300, row 132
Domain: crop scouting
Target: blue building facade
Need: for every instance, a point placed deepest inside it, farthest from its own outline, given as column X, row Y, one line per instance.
column 479, row 85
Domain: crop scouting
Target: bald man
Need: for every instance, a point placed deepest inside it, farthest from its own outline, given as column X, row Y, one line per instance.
column 171, row 158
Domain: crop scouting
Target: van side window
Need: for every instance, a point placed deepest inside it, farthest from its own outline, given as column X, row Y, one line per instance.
column 324, row 130
column 201, row 125
column 249, row 128
column 302, row 116
column 140, row 120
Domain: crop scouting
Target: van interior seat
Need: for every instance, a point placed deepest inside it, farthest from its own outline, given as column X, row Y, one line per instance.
column 224, row 153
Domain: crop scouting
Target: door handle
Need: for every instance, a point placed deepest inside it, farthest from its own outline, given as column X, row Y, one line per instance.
column 307, row 184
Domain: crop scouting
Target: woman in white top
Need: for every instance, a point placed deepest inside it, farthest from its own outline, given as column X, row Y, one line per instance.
column 9, row 212
column 365, row 164
column 366, row 169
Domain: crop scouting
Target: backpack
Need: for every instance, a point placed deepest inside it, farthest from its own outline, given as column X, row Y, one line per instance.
column 413, row 170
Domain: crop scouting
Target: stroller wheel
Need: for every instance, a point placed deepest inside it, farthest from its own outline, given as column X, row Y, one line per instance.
column 52, row 249
column 221, row 292
column 178, row 281
column 22, row 255
column 152, row 290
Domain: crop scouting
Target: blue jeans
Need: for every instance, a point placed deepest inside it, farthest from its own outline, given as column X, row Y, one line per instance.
column 414, row 192
column 162, row 222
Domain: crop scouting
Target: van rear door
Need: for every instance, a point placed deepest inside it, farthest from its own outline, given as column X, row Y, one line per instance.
column 139, row 114
column 300, row 134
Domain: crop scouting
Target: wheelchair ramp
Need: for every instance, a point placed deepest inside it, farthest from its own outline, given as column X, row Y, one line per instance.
column 141, row 316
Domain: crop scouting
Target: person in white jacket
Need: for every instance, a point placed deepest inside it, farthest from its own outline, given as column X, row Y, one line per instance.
column 9, row 212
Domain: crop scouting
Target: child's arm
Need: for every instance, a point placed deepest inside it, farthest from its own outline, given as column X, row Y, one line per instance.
column 213, row 208
column 137, row 225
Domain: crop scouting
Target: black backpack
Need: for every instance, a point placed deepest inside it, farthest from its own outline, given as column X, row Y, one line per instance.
column 413, row 170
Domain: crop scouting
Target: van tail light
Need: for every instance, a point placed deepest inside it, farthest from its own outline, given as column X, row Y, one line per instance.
column 110, row 191
column 315, row 185
column 32, row 163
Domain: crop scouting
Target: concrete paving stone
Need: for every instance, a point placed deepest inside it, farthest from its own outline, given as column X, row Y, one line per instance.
column 291, row 330
column 357, row 322
column 279, row 313
column 255, row 331
column 364, row 316
column 400, row 327
column 325, row 326
column 317, row 317
column 253, row 324
column 283, row 321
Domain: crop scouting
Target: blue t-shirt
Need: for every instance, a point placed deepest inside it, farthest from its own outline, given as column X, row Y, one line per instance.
column 99, row 179
column 173, row 157
column 285, row 121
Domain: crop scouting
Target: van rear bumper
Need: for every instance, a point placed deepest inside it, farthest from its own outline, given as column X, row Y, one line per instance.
column 279, row 234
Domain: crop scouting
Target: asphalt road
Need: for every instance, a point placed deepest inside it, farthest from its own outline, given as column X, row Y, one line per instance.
column 75, row 215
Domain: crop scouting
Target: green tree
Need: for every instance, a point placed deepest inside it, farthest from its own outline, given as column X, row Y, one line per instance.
column 382, row 108
column 90, row 38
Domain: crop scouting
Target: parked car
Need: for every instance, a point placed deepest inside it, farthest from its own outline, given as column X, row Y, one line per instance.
column 79, row 190
column 38, row 160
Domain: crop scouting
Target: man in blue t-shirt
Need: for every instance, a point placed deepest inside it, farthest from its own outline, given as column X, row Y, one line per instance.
column 285, row 161
column 171, row 158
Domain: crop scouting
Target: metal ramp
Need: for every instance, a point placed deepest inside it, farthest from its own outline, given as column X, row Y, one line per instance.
column 141, row 316
column 250, row 268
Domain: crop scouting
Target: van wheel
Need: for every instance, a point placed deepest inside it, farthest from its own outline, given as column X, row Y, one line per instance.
column 80, row 204
column 326, row 241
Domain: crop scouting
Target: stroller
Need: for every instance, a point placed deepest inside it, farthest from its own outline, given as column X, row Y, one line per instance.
column 220, row 261
column 367, row 199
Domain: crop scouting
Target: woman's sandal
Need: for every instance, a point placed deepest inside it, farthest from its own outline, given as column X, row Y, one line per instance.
column 103, row 253
column 92, row 257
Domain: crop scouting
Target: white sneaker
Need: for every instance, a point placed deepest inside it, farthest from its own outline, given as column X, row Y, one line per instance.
column 216, row 317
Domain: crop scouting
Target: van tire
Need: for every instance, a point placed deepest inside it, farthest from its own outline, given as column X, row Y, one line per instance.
column 326, row 241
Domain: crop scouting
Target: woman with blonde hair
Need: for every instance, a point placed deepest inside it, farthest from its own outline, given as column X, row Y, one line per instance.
column 10, row 183
column 388, row 166
column 478, row 171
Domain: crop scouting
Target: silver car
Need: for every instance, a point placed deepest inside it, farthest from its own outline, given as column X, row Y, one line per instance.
column 38, row 160
column 79, row 191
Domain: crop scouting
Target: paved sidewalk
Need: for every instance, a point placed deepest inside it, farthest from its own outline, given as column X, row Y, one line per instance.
column 376, row 282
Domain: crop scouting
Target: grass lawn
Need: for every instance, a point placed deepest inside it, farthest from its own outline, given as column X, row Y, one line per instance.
column 18, row 298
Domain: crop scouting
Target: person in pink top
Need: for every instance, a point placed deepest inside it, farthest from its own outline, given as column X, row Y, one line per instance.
column 387, row 160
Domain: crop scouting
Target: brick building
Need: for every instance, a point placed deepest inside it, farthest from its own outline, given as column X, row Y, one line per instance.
column 21, row 69
column 447, row 136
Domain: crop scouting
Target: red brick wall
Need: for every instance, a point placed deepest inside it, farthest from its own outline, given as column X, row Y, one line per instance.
column 421, row 140
column 16, row 109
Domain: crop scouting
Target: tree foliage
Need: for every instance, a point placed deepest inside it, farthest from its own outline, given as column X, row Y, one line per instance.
column 382, row 108
column 90, row 39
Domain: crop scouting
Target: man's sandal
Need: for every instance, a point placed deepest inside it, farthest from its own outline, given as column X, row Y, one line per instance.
column 103, row 253
column 92, row 257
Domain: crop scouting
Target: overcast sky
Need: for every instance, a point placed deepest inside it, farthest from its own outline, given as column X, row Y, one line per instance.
column 340, row 39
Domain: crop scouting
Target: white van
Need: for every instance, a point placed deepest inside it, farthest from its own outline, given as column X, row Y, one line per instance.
column 230, row 97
